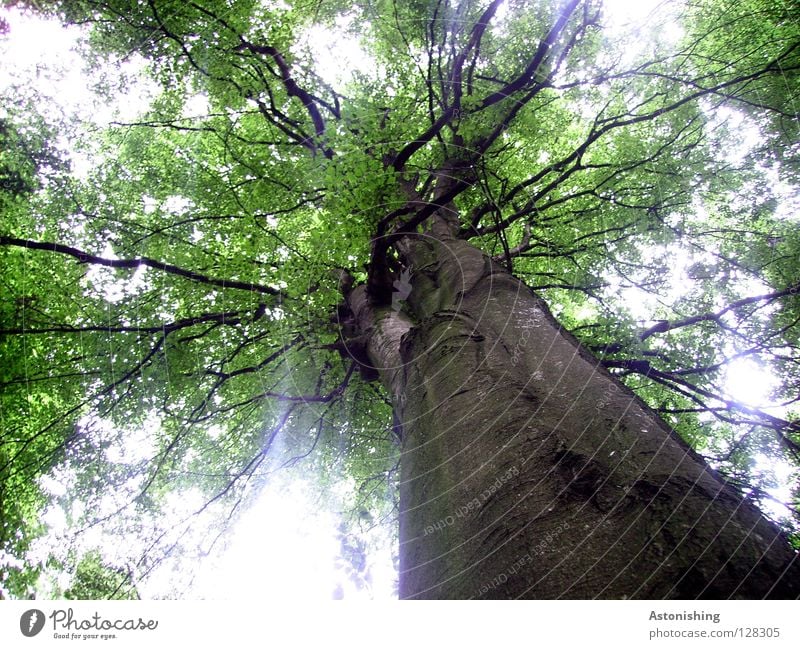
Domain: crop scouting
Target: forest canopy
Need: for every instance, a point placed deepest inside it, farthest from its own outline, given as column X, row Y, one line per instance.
column 173, row 327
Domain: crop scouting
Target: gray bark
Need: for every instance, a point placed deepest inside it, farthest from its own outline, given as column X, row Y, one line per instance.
column 528, row 471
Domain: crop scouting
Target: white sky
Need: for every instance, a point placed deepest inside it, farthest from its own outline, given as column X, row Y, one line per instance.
column 43, row 52
column 286, row 548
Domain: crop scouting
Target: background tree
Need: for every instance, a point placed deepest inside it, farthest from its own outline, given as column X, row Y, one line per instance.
column 171, row 326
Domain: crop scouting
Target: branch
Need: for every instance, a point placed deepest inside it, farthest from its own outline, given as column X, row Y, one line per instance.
column 663, row 325
column 694, row 393
column 317, row 398
column 415, row 145
column 86, row 258
column 544, row 47
column 228, row 317
column 292, row 89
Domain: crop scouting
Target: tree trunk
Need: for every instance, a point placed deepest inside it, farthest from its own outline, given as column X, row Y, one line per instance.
column 528, row 471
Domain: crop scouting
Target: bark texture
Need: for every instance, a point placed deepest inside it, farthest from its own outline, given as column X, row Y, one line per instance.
column 528, row 471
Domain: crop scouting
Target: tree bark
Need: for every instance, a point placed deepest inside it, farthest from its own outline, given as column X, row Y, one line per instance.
column 528, row 471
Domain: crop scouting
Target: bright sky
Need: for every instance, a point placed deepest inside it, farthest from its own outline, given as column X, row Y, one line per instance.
column 34, row 45
column 287, row 549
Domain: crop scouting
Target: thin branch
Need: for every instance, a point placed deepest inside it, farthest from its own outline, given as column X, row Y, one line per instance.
column 664, row 325
column 87, row 258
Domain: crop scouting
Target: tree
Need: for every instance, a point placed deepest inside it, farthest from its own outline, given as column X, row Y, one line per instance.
column 428, row 265
column 93, row 579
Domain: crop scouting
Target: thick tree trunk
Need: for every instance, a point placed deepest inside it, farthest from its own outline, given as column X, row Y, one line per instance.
column 528, row 471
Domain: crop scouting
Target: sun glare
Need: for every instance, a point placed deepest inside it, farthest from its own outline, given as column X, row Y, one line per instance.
column 286, row 548
column 749, row 383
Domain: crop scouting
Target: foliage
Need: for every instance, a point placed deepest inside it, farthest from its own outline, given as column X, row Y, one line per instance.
column 93, row 579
